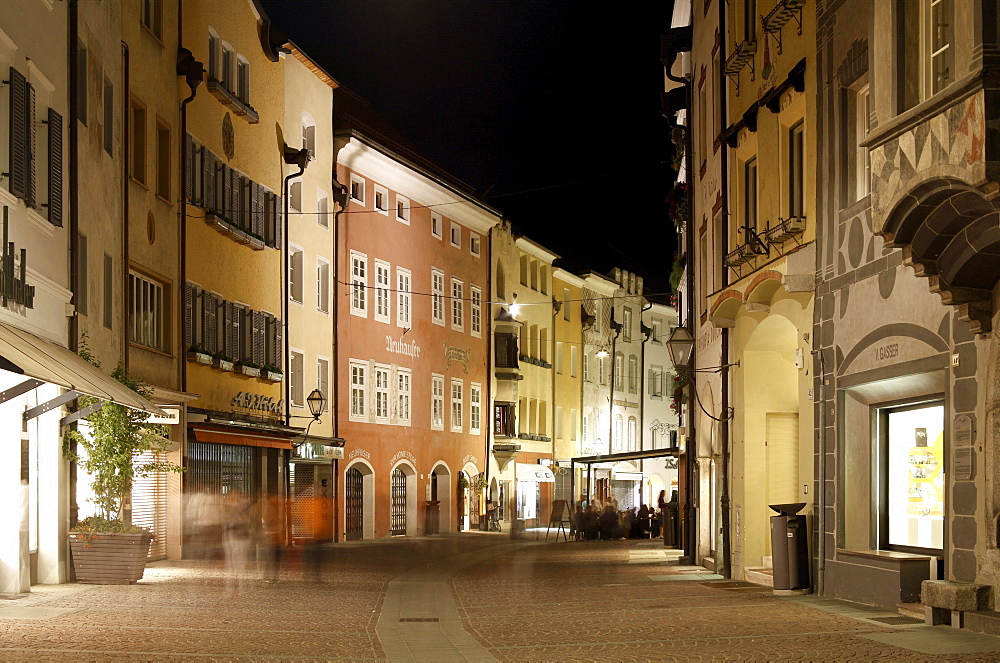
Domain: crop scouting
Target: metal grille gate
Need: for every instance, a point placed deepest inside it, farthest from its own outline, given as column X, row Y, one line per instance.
column 302, row 485
column 149, row 504
column 397, row 519
column 354, row 504
column 221, row 469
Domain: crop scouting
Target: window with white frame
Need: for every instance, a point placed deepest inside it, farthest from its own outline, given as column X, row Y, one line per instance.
column 322, row 285
column 323, row 379
column 619, row 370
column 381, row 387
column 565, row 304
column 616, row 438
column 381, row 200
column 359, row 390
column 656, row 336
column 796, row 170
column 296, row 378
column 383, row 286
column 586, row 367
column 573, row 352
column 631, row 433
column 226, row 67
column 656, row 381
column 602, row 372
column 358, row 189
column 457, row 305
column 627, row 324
column 148, row 311
column 437, row 402
column 308, row 133
column 633, row 373
column 863, row 126
column 584, row 428
column 939, row 55
column 403, row 396
column 152, row 12
column 295, row 197
column 322, row 209
column 456, row 405
column 359, row 284
column 474, row 244
column 295, row 276
column 242, row 79
column 213, row 55
column 475, row 408
column 437, row 225
column 402, row 209
column 476, row 311
column 750, row 194
column 437, row 296
column 456, row 235
column 403, row 298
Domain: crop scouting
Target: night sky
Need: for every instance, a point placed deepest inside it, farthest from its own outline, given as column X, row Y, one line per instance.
column 550, row 110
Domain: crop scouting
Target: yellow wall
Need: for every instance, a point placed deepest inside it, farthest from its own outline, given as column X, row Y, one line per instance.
column 568, row 387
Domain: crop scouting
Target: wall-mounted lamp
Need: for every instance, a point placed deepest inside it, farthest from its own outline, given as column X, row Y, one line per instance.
column 515, row 308
column 680, row 345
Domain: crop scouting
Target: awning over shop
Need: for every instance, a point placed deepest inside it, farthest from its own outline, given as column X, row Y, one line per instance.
column 32, row 356
column 528, row 472
column 247, row 437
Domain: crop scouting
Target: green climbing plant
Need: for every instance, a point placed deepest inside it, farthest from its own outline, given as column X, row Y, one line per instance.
column 118, row 435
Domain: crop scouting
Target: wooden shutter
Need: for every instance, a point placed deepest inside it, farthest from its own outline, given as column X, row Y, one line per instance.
column 208, row 179
column 189, row 165
column 234, row 196
column 18, row 135
column 257, row 336
column 278, row 348
column 189, row 296
column 210, row 310
column 30, row 194
column 279, row 221
column 226, row 197
column 269, row 218
column 226, row 328
column 55, row 168
column 257, row 208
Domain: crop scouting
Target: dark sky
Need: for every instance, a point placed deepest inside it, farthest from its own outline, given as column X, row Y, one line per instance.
column 551, row 110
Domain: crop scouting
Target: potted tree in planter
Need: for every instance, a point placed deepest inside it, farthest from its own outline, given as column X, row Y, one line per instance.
column 107, row 548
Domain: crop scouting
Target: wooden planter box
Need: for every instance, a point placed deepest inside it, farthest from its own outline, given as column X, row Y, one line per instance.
column 109, row 559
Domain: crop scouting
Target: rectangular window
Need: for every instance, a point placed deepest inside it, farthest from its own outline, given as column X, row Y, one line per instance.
column 322, row 209
column 456, row 235
column 383, row 286
column 656, row 382
column 163, row 162
column 322, row 285
column 358, row 391
column 911, row 513
column 243, row 80
column 213, row 57
column 457, row 305
column 437, row 297
column 633, row 374
column 573, row 351
column 602, row 372
column 403, row 396
column 295, row 197
column 586, row 367
column 750, row 194
column 295, row 276
column 619, row 369
column 656, row 336
column 359, row 284
column 504, row 419
column 796, row 172
column 151, row 13
column 381, row 375
column 402, row 209
column 138, row 142
column 109, row 291
column 437, row 225
column 456, row 405
column 627, row 324
column 381, row 200
column 109, row 116
column 475, row 408
column 147, row 312
column 476, row 312
column 357, row 189
column 226, row 71
column 437, row 402
column 567, row 314
column 296, row 378
column 403, row 298
column 940, row 54
column 323, row 380
column 474, row 244
column 863, row 128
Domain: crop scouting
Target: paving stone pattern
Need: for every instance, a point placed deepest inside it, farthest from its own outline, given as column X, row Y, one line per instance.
column 473, row 596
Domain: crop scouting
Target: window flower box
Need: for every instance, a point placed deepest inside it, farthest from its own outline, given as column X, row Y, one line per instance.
column 271, row 376
column 222, row 224
column 200, row 356
column 222, row 363
column 248, row 369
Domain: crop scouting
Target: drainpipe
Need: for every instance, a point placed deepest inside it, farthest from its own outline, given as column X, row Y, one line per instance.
column 74, row 222
column 126, row 153
column 724, row 375
column 298, row 158
column 489, row 362
column 642, row 391
column 611, row 382
column 821, row 563
column 340, row 199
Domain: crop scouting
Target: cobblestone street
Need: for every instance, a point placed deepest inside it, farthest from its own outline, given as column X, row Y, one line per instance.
column 463, row 597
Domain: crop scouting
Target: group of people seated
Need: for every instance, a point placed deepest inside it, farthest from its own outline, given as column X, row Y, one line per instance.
column 591, row 524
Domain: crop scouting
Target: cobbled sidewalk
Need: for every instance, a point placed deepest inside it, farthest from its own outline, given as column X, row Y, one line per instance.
column 488, row 598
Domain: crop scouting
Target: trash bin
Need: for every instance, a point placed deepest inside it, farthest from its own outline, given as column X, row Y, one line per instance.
column 790, row 549
column 669, row 525
column 432, row 516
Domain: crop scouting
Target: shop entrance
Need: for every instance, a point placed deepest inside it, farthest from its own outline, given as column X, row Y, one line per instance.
column 354, row 500
column 397, row 516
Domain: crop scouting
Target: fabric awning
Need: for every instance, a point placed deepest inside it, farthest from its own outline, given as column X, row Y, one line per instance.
column 247, row 437
column 528, row 472
column 32, row 356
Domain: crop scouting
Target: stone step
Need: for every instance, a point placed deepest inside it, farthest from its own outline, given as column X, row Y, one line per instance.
column 986, row 622
column 759, row 575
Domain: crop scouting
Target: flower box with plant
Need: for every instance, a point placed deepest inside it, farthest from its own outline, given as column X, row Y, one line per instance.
column 223, row 361
column 198, row 354
column 271, row 374
column 248, row 368
column 106, row 548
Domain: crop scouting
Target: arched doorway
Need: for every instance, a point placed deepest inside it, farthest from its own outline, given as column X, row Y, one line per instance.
column 403, row 500
column 359, row 502
column 441, row 491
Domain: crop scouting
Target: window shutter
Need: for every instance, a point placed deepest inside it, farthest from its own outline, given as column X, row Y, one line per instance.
column 258, row 337
column 242, row 186
column 278, row 351
column 226, row 197
column 55, row 168
column 652, row 383
column 208, row 178
column 188, row 316
column 279, row 221
column 257, row 209
column 236, row 182
column 210, row 312
column 189, row 165
column 18, row 137
column 30, row 197
column 226, row 328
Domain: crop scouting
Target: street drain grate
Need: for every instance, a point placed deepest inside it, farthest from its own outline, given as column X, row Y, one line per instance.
column 896, row 621
column 419, row 619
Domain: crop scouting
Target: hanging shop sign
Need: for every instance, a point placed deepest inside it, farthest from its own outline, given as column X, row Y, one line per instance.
column 258, row 404
column 172, row 416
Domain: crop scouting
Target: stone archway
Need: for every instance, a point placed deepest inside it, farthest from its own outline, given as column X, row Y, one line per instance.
column 442, row 491
column 359, row 501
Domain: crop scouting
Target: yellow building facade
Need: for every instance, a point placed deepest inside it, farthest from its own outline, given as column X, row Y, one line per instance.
column 567, row 335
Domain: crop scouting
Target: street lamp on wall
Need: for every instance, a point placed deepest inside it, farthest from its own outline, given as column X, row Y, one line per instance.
column 680, row 345
column 317, row 404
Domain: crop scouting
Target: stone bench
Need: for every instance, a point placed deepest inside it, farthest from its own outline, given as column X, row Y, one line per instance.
column 946, row 601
